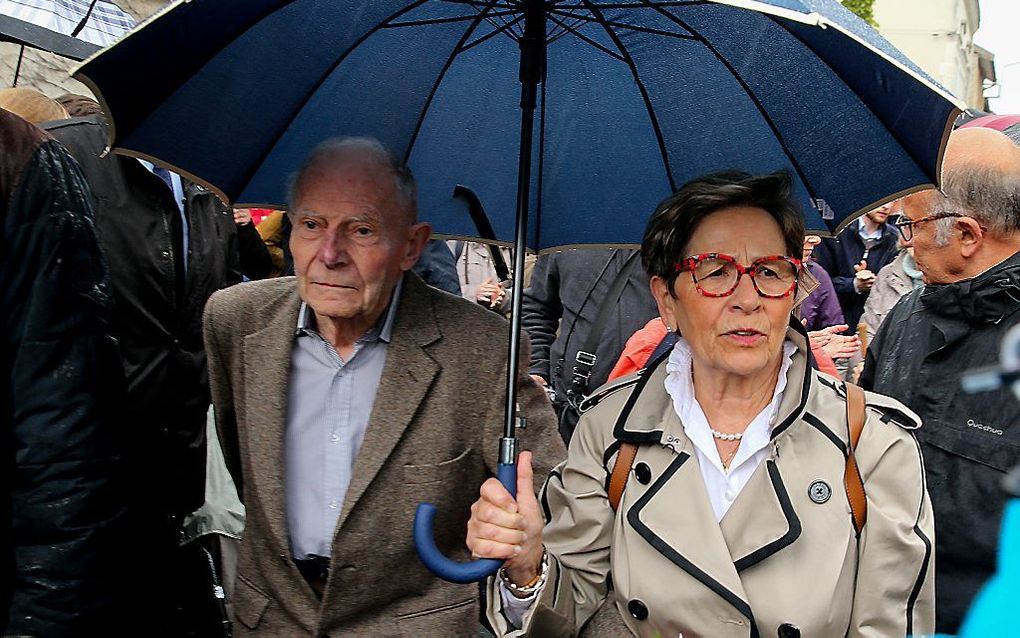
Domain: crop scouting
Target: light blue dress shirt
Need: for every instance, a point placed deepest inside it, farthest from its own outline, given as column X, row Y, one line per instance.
column 329, row 404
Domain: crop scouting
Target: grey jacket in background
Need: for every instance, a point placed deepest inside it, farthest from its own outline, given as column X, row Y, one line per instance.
column 560, row 306
column 891, row 284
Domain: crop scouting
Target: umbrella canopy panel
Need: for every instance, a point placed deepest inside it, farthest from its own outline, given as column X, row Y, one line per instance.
column 638, row 98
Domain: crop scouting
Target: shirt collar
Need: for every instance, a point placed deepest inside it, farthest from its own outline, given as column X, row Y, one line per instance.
column 381, row 331
column 863, row 231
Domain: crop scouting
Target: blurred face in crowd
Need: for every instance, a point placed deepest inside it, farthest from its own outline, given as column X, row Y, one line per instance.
column 352, row 240
column 880, row 214
column 740, row 334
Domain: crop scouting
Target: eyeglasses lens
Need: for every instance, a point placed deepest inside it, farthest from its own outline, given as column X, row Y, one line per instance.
column 718, row 276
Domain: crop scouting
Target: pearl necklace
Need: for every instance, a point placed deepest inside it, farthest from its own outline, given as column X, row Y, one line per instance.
column 727, row 437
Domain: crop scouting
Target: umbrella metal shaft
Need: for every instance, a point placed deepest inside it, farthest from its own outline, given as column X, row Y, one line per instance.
column 531, row 70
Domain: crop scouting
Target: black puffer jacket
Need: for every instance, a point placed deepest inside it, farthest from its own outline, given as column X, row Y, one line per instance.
column 158, row 313
column 929, row 339
column 61, row 516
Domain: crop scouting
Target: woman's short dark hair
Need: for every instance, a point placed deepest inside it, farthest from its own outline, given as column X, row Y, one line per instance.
column 674, row 222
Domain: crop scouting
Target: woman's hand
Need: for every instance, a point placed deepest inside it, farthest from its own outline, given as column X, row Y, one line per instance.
column 501, row 527
column 834, row 344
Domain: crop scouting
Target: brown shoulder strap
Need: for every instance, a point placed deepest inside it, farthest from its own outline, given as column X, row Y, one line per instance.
column 621, row 470
column 855, row 417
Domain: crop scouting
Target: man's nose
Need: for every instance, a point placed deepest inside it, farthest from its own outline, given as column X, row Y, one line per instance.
column 333, row 250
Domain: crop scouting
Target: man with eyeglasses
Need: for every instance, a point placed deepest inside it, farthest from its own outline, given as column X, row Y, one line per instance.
column 966, row 243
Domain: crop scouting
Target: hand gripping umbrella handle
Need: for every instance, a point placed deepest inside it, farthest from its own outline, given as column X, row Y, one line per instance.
column 440, row 565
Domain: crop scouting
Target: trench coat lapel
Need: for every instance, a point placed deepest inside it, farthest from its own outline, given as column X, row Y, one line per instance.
column 675, row 516
column 267, row 357
column 407, row 376
column 762, row 520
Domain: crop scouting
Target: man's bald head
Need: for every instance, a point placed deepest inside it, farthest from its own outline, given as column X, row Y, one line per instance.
column 981, row 179
column 982, row 148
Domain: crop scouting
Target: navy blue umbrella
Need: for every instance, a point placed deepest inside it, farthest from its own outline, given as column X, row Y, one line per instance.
column 570, row 120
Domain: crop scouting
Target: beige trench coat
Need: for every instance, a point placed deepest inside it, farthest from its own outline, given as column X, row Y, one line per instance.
column 785, row 553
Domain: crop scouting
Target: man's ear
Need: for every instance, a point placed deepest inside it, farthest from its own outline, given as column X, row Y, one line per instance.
column 663, row 299
column 971, row 236
column 417, row 236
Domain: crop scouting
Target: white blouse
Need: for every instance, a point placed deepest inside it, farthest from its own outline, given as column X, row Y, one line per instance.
column 723, row 486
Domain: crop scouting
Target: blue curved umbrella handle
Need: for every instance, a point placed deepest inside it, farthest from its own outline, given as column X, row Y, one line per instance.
column 440, row 565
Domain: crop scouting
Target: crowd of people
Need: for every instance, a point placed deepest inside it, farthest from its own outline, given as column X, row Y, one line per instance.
column 700, row 455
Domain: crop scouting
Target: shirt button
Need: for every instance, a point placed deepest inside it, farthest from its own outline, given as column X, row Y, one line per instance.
column 335, row 437
column 333, row 505
column 729, row 494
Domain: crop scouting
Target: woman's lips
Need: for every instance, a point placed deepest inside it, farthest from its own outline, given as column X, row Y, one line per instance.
column 745, row 336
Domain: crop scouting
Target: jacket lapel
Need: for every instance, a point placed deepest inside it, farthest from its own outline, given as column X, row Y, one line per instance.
column 674, row 514
column 407, row 376
column 762, row 520
column 267, row 358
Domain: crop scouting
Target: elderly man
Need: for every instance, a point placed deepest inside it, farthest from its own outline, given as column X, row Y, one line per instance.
column 967, row 246
column 349, row 394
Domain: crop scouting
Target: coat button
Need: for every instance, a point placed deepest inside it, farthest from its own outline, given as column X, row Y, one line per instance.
column 637, row 609
column 643, row 473
column 788, row 630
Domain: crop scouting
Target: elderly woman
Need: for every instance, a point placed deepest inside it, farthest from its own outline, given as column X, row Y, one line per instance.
column 734, row 519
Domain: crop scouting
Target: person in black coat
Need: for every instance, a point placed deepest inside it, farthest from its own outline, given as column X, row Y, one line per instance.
column 560, row 308
column 169, row 244
column 967, row 246
column 62, row 507
column 853, row 258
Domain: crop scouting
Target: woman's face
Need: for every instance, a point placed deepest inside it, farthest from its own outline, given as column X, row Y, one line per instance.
column 743, row 333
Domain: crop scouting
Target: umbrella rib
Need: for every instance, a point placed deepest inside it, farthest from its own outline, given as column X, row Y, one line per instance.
column 439, row 79
column 491, row 34
column 620, row 25
column 308, row 96
column 747, row 90
column 604, row 49
column 419, row 23
column 629, row 61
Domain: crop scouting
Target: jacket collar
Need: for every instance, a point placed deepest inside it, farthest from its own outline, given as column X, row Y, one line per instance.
column 988, row 298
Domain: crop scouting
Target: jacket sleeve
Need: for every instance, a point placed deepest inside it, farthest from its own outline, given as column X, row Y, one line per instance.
column 577, row 537
column 541, row 312
column 895, row 589
column 64, row 381
column 877, row 306
column 220, row 386
column 438, row 268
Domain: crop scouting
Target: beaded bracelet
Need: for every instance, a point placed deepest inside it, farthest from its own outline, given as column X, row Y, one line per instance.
column 536, row 583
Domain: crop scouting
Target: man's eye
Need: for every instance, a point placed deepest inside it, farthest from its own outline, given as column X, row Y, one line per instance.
column 364, row 231
column 310, row 224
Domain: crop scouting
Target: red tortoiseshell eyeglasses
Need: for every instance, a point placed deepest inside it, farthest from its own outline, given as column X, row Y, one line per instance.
column 717, row 275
